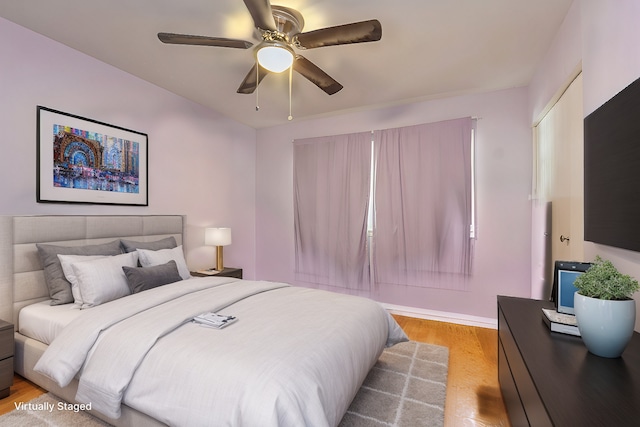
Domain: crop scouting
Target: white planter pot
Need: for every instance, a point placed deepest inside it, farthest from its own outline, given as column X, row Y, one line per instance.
column 606, row 326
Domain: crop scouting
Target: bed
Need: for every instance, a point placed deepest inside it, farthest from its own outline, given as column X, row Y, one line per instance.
column 295, row 356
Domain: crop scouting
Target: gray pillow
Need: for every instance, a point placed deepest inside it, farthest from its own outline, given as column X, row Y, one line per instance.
column 143, row 278
column 156, row 245
column 58, row 285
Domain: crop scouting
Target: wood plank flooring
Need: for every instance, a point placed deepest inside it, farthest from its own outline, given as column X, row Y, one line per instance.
column 473, row 392
column 22, row 390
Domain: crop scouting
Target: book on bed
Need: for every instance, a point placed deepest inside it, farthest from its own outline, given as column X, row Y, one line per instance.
column 214, row 320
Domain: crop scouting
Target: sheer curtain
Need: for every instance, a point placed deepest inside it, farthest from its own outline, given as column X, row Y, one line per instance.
column 331, row 197
column 423, row 204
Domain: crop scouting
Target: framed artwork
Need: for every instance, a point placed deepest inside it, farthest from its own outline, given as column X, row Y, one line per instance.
column 80, row 160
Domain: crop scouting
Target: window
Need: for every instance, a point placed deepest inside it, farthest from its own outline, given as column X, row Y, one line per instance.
column 414, row 211
column 472, row 227
column 423, row 203
column 331, row 199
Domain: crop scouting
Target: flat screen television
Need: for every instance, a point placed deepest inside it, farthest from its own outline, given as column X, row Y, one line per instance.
column 612, row 171
column 564, row 274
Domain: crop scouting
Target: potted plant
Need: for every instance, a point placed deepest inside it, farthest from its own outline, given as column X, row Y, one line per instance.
column 604, row 308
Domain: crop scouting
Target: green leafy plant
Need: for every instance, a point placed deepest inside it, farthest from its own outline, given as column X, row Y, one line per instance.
column 603, row 281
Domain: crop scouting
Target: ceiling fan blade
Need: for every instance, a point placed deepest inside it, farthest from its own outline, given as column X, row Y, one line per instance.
column 357, row 32
column 172, row 38
column 249, row 85
column 315, row 75
column 260, row 11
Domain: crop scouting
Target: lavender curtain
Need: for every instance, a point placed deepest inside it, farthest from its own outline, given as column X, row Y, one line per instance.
column 423, row 204
column 331, row 198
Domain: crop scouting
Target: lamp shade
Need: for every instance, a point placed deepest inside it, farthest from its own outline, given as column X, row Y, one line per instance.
column 217, row 236
column 275, row 57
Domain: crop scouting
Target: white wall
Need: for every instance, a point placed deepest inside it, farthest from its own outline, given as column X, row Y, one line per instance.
column 200, row 164
column 502, row 251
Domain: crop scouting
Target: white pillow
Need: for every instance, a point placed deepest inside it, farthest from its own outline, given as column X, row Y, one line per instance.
column 103, row 280
column 150, row 258
column 65, row 262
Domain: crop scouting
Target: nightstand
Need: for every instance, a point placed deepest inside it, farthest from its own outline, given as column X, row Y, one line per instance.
column 226, row 272
column 6, row 358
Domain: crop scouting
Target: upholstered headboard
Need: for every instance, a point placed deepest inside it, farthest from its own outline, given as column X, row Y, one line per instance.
column 21, row 276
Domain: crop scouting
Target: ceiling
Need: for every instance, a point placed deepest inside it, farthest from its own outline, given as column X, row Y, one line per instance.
column 429, row 49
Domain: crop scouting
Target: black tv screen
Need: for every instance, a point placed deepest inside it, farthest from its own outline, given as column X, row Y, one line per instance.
column 612, row 171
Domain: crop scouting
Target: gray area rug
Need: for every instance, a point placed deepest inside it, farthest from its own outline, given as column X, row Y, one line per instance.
column 405, row 388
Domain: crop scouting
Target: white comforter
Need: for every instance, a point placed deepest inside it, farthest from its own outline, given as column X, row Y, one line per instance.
column 295, row 357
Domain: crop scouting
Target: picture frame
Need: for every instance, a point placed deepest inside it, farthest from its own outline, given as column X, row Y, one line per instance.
column 81, row 160
column 564, row 274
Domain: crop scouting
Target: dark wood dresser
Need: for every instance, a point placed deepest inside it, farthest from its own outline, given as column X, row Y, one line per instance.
column 550, row 379
column 6, row 358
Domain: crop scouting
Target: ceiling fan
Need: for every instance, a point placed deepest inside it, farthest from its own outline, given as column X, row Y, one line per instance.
column 279, row 29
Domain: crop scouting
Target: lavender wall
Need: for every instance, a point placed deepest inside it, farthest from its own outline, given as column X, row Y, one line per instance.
column 224, row 178
column 557, row 69
column 610, row 48
column 610, row 55
column 611, row 61
column 200, row 163
column 560, row 65
column 502, row 251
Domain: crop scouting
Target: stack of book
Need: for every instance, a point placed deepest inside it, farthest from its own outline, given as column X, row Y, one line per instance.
column 560, row 322
column 213, row 320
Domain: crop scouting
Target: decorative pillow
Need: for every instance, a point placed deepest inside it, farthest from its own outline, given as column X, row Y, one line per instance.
column 143, row 278
column 150, row 258
column 102, row 280
column 156, row 245
column 66, row 261
column 59, row 287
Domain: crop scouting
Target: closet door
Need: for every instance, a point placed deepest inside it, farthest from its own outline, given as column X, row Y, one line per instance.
column 560, row 174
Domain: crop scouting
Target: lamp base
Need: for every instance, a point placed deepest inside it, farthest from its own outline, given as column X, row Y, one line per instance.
column 219, row 263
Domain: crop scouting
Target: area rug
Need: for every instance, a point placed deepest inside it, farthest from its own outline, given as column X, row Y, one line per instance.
column 405, row 388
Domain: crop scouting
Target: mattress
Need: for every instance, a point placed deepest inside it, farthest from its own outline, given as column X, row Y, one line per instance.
column 43, row 322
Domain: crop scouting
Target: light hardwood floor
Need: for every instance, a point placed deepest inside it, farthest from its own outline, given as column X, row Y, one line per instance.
column 473, row 392
column 22, row 390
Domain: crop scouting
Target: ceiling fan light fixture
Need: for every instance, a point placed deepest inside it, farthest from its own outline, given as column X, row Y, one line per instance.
column 275, row 56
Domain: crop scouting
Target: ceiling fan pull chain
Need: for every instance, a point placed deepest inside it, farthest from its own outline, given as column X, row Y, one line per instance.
column 290, row 78
column 257, row 81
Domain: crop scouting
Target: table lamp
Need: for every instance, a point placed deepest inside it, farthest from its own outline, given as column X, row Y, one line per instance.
column 218, row 237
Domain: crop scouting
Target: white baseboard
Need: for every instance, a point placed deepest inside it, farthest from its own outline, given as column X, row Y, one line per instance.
column 442, row 316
